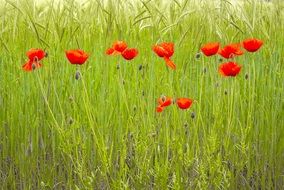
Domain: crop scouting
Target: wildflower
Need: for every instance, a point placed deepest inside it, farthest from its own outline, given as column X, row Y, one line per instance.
column 210, row 48
column 230, row 69
column 231, row 50
column 252, row 45
column 163, row 102
column 77, row 57
column 165, row 50
column 117, row 48
column 35, row 55
column 184, row 103
column 31, row 65
column 129, row 53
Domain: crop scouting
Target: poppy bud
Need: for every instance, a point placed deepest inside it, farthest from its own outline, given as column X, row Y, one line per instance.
column 226, row 92
column 143, row 93
column 134, row 108
column 71, row 99
column 140, row 67
column 246, row 76
column 198, row 55
column 192, row 115
column 117, row 66
column 204, row 70
column 77, row 75
column 46, row 54
column 163, row 97
column 33, row 66
column 220, row 60
column 70, row 121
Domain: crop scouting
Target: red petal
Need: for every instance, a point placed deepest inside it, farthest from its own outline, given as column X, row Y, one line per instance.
column 210, row 48
column 229, row 69
column 36, row 54
column 159, row 50
column 169, row 47
column 184, row 103
column 110, row 51
column 252, row 45
column 76, row 56
column 119, row 46
column 130, row 53
column 159, row 109
column 170, row 63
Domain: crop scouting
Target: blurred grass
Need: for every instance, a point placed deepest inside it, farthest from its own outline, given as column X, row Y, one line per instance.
column 102, row 132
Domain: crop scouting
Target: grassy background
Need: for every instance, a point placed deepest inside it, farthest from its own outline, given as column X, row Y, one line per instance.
column 102, row 132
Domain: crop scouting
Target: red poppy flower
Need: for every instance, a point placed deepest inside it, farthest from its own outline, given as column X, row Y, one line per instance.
column 165, row 101
column 165, row 50
column 36, row 54
column 169, row 47
column 252, row 45
column 159, row 50
column 184, row 103
column 77, row 57
column 129, row 53
column 230, row 69
column 117, row 48
column 31, row 65
column 231, row 50
column 210, row 48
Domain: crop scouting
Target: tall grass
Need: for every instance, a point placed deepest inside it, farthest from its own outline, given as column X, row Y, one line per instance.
column 102, row 132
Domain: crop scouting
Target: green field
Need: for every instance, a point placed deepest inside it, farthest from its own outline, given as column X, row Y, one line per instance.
column 102, row 131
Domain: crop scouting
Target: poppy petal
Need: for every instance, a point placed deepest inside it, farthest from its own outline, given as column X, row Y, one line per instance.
column 119, row 46
column 169, row 47
column 159, row 109
column 78, row 57
column 210, row 48
column 130, row 53
column 170, row 63
column 165, row 101
column 231, row 50
column 35, row 54
column 252, row 45
column 159, row 50
column 31, row 65
column 230, row 69
column 184, row 103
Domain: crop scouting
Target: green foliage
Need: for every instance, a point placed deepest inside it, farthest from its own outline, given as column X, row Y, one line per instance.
column 102, row 132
